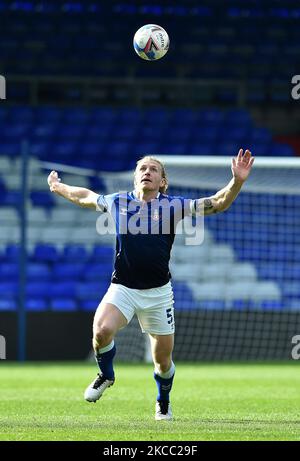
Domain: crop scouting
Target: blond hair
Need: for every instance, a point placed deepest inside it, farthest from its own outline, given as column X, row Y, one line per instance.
column 163, row 188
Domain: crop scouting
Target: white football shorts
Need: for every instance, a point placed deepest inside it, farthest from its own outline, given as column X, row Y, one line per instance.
column 153, row 307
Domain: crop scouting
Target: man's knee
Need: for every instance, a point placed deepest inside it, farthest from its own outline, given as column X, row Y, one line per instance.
column 103, row 334
column 163, row 367
column 162, row 363
column 162, row 348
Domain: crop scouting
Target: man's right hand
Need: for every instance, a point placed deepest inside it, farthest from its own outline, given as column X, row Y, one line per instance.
column 53, row 180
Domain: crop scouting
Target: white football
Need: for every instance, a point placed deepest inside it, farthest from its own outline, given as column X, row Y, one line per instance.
column 151, row 42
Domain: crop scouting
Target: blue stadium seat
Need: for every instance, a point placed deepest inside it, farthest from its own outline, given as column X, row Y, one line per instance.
column 68, row 271
column 91, row 149
column 3, row 115
column 229, row 148
column 63, row 304
column 65, row 149
column 281, row 150
column 146, row 148
column 102, row 253
column 45, row 253
column 48, row 114
column 40, row 198
column 290, row 271
column 234, row 134
column 11, row 198
column 260, row 135
column 8, row 304
column 104, row 115
column 41, row 132
column 284, row 252
column 2, row 186
column 8, row 290
column 9, row 271
column 21, row 114
column 98, row 271
column 183, row 297
column 11, row 148
column 114, row 164
column 74, row 253
column 126, row 132
column 91, row 290
column 118, row 149
column 158, row 115
column 151, row 133
column 293, row 304
column 202, row 149
column 183, row 117
column 39, row 290
column 70, row 132
column 185, row 304
column 99, row 131
column 291, row 289
column 238, row 117
column 205, row 133
column 176, row 148
column 76, row 117
column 41, row 149
column 272, row 305
column 38, row 271
column 271, row 271
column 180, row 134
column 130, row 115
column 211, row 115
column 12, row 253
column 212, row 304
column 15, row 131
column 97, row 184
column 36, row 304
column 240, row 304
column 89, row 304
column 63, row 290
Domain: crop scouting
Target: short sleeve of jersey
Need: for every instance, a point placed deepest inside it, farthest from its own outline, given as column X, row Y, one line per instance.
column 106, row 202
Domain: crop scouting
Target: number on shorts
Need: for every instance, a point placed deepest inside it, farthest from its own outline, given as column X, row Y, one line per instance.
column 169, row 315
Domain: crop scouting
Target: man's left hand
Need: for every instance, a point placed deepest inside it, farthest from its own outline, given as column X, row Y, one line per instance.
column 241, row 165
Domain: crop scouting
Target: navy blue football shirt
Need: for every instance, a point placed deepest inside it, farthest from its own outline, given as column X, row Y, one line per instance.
column 145, row 233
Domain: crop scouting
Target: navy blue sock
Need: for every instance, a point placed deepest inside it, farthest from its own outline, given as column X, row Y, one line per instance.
column 105, row 362
column 164, row 386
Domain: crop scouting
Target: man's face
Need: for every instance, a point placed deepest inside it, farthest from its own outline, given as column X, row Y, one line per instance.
column 148, row 176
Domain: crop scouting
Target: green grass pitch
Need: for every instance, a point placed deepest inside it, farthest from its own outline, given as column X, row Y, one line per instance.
column 210, row 402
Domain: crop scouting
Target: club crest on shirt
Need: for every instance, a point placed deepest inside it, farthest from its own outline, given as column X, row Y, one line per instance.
column 155, row 216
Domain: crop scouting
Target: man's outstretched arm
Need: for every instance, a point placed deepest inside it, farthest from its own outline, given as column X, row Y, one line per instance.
column 78, row 195
column 240, row 167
